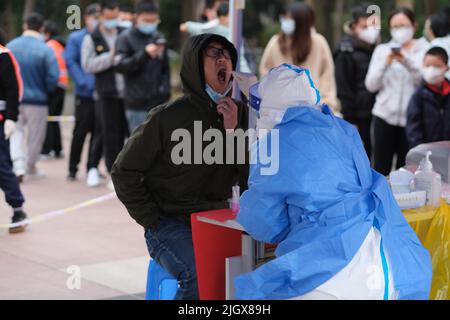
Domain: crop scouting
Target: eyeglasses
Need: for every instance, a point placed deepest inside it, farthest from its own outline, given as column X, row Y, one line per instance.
column 216, row 53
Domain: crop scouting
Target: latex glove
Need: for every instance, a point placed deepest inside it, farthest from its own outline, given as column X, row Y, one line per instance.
column 10, row 127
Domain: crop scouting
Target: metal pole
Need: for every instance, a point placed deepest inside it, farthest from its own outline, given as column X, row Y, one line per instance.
column 236, row 14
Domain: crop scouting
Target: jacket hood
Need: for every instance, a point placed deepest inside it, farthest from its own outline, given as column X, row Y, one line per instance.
column 192, row 75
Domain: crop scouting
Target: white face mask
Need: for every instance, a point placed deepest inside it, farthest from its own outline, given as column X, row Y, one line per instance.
column 288, row 26
column 369, row 35
column 402, row 35
column 434, row 76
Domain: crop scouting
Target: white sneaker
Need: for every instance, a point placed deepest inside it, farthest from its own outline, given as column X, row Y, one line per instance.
column 110, row 186
column 93, row 178
column 35, row 174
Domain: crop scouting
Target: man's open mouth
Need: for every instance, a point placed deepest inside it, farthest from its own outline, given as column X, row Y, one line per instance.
column 222, row 75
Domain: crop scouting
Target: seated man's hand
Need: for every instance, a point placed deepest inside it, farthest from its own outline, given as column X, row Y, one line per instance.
column 229, row 110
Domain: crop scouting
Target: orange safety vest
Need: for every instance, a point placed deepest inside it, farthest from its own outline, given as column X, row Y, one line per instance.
column 58, row 49
column 16, row 69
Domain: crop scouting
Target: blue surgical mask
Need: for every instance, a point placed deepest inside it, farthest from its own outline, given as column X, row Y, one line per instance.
column 93, row 24
column 216, row 96
column 111, row 23
column 147, row 28
column 125, row 24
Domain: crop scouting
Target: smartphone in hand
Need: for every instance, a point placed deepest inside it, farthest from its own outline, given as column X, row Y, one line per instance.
column 396, row 49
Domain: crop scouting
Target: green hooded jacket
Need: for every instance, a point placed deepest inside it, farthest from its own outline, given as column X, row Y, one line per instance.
column 146, row 179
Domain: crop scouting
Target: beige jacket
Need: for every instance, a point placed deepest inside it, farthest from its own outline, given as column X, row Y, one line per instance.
column 319, row 62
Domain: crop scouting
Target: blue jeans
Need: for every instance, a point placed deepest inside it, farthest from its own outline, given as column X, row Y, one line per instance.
column 170, row 245
column 135, row 118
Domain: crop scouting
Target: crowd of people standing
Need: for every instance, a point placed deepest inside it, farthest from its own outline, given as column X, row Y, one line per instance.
column 396, row 93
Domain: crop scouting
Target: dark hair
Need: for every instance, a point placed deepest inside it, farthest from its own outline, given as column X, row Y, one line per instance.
column 34, row 21
column 225, row 43
column 360, row 12
column 223, row 10
column 439, row 25
column 127, row 9
column 92, row 9
column 211, row 3
column 446, row 11
column 301, row 45
column 146, row 6
column 108, row 4
column 2, row 37
column 439, row 52
column 403, row 10
column 51, row 28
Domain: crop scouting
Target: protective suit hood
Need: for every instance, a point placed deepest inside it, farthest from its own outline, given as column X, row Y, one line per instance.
column 284, row 87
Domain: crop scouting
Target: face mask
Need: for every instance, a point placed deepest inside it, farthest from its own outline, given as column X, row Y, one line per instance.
column 147, row 28
column 214, row 95
column 111, row 24
column 369, row 35
column 288, row 26
column 434, row 76
column 93, row 24
column 402, row 35
column 125, row 24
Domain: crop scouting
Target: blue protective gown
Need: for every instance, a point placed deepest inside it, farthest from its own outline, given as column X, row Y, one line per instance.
column 319, row 209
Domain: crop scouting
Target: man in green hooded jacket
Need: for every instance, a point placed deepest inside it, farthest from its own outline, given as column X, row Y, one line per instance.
column 161, row 192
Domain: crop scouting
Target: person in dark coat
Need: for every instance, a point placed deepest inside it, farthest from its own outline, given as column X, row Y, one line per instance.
column 159, row 191
column 352, row 59
column 429, row 108
column 11, row 89
column 143, row 60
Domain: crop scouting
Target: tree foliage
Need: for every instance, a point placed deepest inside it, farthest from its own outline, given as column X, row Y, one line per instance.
column 260, row 17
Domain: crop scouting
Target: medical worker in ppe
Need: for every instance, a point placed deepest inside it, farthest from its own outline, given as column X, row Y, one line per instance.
column 339, row 231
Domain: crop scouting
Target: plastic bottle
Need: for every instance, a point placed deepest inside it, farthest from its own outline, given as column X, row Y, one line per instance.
column 235, row 201
column 428, row 180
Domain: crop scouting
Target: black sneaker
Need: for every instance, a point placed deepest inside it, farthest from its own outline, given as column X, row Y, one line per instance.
column 19, row 216
column 72, row 177
column 59, row 155
column 21, row 178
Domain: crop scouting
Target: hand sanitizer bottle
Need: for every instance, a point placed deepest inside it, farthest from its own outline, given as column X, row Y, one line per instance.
column 428, row 180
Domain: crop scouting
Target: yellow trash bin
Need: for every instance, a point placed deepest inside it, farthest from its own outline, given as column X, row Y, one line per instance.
column 432, row 226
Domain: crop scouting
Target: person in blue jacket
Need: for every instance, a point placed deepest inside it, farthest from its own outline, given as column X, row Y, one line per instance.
column 86, row 118
column 429, row 109
column 40, row 73
column 339, row 230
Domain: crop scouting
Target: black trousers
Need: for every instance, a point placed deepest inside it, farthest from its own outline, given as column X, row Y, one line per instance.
column 115, row 128
column 8, row 180
column 364, row 127
column 87, row 120
column 55, row 108
column 389, row 141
